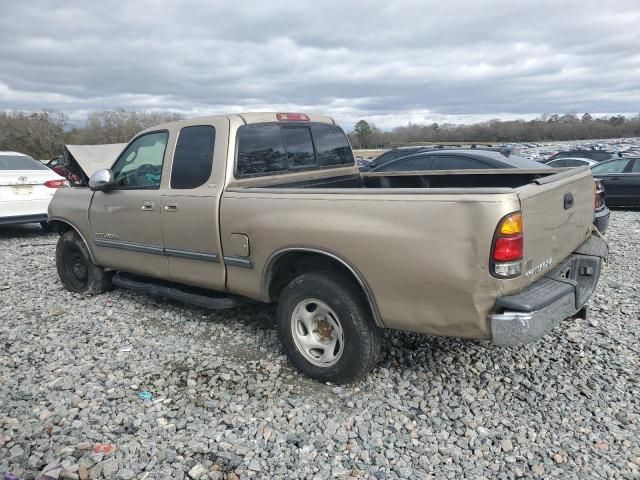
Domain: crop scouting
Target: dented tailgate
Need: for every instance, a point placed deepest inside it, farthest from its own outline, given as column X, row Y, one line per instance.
column 557, row 215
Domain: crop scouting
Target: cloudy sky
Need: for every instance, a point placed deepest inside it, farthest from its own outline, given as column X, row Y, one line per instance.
column 389, row 62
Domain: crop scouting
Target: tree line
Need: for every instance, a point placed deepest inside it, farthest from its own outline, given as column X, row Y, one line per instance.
column 44, row 134
column 547, row 127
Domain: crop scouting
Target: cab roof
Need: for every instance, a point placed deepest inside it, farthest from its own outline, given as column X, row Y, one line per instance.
column 251, row 117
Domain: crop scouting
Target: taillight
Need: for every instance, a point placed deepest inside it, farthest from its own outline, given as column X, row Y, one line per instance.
column 507, row 250
column 56, row 183
column 292, row 117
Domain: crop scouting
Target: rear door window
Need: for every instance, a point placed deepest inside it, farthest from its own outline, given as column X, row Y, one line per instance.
column 193, row 157
column 419, row 162
column 614, row 166
column 576, row 163
column 636, row 166
column 446, row 162
column 557, row 163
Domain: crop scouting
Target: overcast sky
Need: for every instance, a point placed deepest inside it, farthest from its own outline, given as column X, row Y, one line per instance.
column 389, row 62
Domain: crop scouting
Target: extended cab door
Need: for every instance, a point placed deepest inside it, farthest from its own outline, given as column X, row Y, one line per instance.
column 125, row 221
column 190, row 206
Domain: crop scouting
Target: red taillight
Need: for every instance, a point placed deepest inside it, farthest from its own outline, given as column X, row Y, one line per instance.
column 292, row 117
column 508, row 249
column 56, row 183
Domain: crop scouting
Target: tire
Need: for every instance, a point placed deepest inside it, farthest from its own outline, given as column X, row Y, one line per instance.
column 76, row 270
column 326, row 328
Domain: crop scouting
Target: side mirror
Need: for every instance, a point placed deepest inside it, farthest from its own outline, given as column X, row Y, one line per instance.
column 101, row 180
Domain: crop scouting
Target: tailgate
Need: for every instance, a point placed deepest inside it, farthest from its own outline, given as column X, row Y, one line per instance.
column 557, row 213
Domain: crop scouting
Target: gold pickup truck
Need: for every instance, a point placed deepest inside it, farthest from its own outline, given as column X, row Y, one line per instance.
column 271, row 207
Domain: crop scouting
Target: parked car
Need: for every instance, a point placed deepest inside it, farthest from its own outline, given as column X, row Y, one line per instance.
column 271, row 207
column 26, row 188
column 461, row 159
column 392, row 155
column 596, row 155
column 456, row 159
column 621, row 180
column 570, row 162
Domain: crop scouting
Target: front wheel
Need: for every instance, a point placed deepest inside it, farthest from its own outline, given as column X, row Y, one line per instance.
column 76, row 270
column 326, row 328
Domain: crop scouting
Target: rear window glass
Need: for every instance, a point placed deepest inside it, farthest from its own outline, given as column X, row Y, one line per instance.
column 270, row 148
column 297, row 141
column 332, row 146
column 260, row 150
column 20, row 162
column 193, row 158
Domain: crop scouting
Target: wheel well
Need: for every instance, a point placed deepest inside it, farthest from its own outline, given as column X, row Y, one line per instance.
column 59, row 226
column 289, row 265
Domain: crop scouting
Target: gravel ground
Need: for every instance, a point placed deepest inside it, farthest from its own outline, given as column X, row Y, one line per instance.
column 225, row 403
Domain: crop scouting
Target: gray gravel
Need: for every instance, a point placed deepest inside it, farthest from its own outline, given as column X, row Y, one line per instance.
column 226, row 403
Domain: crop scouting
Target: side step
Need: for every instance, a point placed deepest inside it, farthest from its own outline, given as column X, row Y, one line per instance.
column 182, row 293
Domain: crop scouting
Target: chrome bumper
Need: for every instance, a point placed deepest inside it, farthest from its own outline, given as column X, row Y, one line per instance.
column 559, row 294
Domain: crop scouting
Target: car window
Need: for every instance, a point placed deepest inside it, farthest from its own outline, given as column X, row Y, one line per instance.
column 273, row 148
column 614, row 166
column 557, row 163
column 575, row 163
column 297, row 142
column 20, row 162
column 636, row 166
column 393, row 154
column 332, row 146
column 446, row 162
column 408, row 164
column 260, row 150
column 193, row 158
column 140, row 165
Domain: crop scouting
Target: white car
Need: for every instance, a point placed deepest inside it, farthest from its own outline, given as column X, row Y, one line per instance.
column 26, row 188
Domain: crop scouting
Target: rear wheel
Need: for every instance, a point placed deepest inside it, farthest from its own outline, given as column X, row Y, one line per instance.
column 76, row 270
column 326, row 328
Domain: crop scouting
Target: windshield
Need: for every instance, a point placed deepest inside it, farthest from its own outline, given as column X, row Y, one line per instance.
column 20, row 162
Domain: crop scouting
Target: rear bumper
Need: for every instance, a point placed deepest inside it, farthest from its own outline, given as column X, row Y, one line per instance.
column 601, row 220
column 559, row 294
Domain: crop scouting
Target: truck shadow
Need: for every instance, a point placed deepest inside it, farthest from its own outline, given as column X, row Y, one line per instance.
column 26, row 232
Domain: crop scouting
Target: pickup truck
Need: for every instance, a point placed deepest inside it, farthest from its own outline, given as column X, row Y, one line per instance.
column 271, row 207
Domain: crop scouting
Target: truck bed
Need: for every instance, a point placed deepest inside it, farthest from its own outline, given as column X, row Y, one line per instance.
column 507, row 178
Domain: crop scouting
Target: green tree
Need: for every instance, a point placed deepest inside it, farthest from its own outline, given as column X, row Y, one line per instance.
column 363, row 131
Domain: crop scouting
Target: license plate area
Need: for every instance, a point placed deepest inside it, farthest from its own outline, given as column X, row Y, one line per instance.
column 22, row 189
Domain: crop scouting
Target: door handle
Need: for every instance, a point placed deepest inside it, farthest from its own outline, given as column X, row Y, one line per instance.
column 146, row 206
column 616, row 179
column 171, row 207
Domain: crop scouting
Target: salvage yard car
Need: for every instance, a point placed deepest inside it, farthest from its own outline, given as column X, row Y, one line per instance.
column 26, row 188
column 271, row 207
